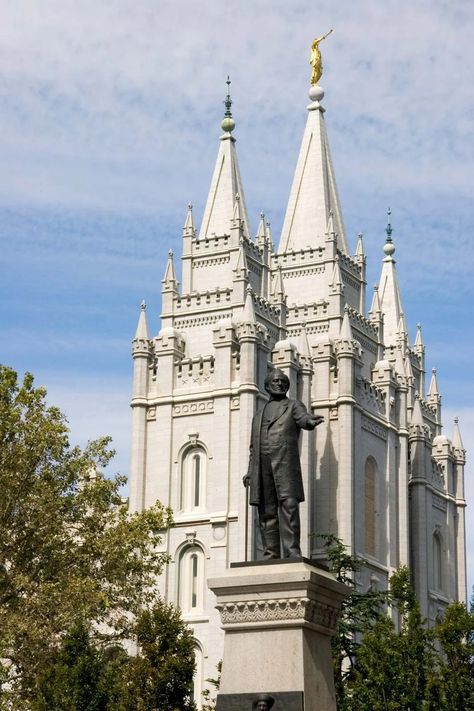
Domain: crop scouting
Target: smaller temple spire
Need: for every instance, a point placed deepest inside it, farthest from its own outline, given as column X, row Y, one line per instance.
column 336, row 282
column 262, row 230
column 457, row 440
column 375, row 308
column 399, row 363
column 417, row 415
column 269, row 235
column 409, row 368
column 169, row 280
column 241, row 267
column 142, row 326
column 237, row 213
column 278, row 290
column 433, row 392
column 248, row 314
column 189, row 227
column 226, row 183
column 330, row 225
column 359, row 253
column 418, row 345
column 303, row 343
column 346, row 328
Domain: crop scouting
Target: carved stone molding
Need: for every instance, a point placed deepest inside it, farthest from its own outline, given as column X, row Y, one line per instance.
column 200, row 407
column 374, row 428
column 302, row 609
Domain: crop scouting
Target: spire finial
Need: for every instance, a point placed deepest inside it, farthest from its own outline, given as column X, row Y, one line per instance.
column 143, row 305
column 388, row 229
column 389, row 247
column 228, row 123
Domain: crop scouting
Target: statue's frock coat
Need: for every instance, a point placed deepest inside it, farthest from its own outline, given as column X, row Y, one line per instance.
column 283, row 434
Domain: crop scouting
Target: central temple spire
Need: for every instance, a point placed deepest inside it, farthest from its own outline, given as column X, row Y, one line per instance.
column 314, row 192
column 226, row 183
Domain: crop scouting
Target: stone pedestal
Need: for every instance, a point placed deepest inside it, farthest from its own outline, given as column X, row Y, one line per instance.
column 278, row 620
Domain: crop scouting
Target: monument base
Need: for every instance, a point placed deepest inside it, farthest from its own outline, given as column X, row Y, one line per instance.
column 278, row 621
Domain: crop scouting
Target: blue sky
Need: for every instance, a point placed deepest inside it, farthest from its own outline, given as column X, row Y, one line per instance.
column 109, row 121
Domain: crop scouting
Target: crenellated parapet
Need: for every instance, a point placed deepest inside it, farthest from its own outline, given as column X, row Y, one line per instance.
column 192, row 372
column 370, row 396
column 197, row 301
column 299, row 258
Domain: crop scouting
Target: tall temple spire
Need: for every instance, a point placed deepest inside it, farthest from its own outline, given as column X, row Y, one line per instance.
column 389, row 292
column 314, row 192
column 226, row 183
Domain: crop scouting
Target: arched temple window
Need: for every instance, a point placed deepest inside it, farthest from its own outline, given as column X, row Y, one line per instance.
column 198, row 676
column 370, row 531
column 191, row 580
column 193, row 474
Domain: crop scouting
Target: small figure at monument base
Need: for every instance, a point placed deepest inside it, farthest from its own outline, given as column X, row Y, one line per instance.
column 263, row 702
column 274, row 472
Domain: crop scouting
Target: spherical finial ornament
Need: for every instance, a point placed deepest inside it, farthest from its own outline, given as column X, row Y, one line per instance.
column 316, row 93
column 228, row 124
column 389, row 248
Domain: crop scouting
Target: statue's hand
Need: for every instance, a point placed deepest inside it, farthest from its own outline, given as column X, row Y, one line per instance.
column 317, row 420
column 246, row 480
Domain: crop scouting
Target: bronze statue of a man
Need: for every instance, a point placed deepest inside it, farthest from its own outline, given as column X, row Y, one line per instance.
column 274, row 473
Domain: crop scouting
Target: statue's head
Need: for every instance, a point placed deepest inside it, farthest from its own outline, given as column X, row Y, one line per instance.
column 277, row 384
column 263, row 702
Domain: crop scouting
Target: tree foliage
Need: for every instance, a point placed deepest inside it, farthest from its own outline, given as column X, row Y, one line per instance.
column 383, row 666
column 69, row 550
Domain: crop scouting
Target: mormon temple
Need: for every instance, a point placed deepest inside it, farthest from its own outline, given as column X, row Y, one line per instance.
column 378, row 472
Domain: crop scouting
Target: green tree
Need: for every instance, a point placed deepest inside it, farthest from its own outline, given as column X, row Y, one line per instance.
column 451, row 683
column 393, row 668
column 77, row 678
column 69, row 550
column 160, row 676
column 358, row 613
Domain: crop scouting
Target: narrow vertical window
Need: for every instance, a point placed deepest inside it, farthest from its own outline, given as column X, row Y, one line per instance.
column 194, row 581
column 369, row 506
column 197, row 479
column 437, row 563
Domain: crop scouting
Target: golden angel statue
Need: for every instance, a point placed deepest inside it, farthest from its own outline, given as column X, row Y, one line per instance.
column 315, row 59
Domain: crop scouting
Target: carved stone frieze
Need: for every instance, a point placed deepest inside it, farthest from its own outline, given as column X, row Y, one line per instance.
column 374, row 428
column 302, row 609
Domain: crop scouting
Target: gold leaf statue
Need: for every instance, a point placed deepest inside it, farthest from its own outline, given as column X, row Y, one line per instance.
column 315, row 59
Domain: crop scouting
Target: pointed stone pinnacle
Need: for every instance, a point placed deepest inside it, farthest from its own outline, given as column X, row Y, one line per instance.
column 142, row 326
column 457, row 439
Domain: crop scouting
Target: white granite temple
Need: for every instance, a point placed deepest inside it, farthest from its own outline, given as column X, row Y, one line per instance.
column 378, row 472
